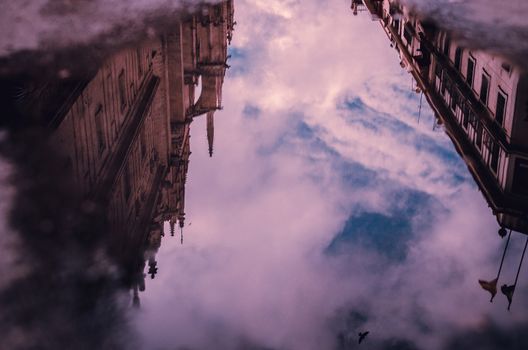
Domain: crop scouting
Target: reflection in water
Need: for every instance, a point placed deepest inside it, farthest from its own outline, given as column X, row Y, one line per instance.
column 482, row 102
column 349, row 222
column 113, row 149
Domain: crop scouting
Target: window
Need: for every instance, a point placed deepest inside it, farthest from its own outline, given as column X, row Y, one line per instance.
column 494, row 162
column 473, row 120
column 465, row 117
column 444, row 84
column 217, row 15
column 113, row 130
column 408, row 32
column 478, row 138
column 396, row 25
column 506, row 66
column 138, row 59
column 470, row 71
column 122, row 89
column 484, row 88
column 143, row 144
column 438, row 70
column 458, row 58
column 501, row 107
column 454, row 100
column 520, row 177
column 99, row 128
column 447, row 43
column 127, row 187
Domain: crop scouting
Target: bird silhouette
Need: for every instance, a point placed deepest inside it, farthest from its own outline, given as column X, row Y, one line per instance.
column 362, row 336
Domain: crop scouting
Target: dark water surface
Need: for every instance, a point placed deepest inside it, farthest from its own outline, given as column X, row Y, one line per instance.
column 264, row 175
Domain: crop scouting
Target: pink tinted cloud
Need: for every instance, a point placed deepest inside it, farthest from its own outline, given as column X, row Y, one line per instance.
column 253, row 265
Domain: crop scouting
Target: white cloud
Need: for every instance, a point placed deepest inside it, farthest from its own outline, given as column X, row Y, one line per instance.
column 267, row 204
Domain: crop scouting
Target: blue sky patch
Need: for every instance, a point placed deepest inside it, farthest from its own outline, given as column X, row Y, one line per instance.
column 251, row 111
column 411, row 213
column 386, row 234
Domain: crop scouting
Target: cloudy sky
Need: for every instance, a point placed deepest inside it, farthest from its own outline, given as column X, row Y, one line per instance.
column 327, row 208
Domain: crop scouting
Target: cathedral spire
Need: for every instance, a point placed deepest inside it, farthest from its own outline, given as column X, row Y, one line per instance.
column 182, row 224
column 210, row 131
column 172, row 222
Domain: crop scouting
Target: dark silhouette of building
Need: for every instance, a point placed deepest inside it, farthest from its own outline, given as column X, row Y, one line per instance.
column 124, row 130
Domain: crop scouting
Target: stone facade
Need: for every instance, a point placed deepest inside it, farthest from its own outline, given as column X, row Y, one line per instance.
column 126, row 132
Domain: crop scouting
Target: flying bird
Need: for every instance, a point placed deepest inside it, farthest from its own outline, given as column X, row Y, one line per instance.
column 362, row 336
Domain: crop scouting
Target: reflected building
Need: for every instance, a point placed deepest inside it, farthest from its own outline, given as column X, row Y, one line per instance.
column 125, row 130
column 480, row 99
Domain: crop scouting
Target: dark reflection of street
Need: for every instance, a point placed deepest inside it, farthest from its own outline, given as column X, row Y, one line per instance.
column 366, row 184
column 100, row 164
